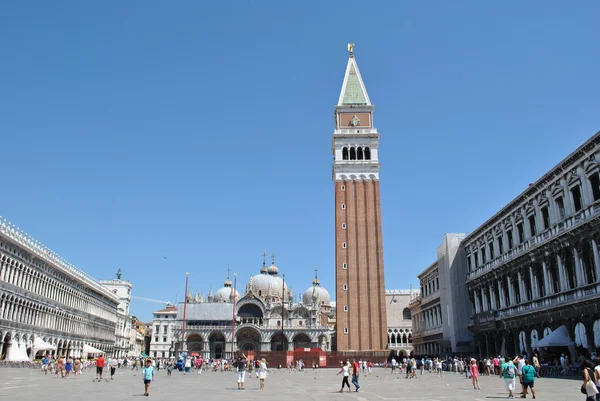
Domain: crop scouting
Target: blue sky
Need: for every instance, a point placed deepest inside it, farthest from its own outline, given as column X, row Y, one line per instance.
column 201, row 131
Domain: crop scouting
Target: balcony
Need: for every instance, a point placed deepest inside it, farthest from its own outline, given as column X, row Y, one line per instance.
column 578, row 294
column 428, row 332
column 577, row 219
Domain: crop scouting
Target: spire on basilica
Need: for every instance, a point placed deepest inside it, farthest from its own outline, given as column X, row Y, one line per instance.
column 316, row 281
column 353, row 89
column 210, row 295
column 228, row 282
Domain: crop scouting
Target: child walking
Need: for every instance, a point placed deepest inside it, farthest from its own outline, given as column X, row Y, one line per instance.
column 148, row 375
column 475, row 374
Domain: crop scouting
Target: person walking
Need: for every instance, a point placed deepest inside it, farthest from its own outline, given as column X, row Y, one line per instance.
column 355, row 373
column 45, row 363
column 345, row 374
column 508, row 371
column 76, row 367
column 148, row 376
column 536, row 365
column 99, row 367
column 475, row 374
column 438, row 368
column 241, row 370
column 112, row 364
column 262, row 372
column 528, row 375
column 68, row 367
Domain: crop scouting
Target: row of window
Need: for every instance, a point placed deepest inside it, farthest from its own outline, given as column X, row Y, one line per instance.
column 534, row 282
column 431, row 287
column 542, row 216
column 356, row 153
column 22, row 276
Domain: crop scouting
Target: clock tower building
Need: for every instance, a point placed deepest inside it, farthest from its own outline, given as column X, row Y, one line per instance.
column 360, row 285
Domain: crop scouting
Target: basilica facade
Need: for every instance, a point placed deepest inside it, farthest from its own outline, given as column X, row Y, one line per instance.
column 265, row 316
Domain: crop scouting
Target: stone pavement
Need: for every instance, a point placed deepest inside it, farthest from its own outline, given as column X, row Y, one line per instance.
column 30, row 385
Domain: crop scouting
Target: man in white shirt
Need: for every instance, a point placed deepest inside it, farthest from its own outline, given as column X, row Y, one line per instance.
column 520, row 362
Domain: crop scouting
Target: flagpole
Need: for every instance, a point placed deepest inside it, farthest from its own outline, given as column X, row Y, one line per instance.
column 283, row 314
column 184, row 313
column 233, row 315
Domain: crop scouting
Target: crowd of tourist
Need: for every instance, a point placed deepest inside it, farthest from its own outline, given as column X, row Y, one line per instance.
column 525, row 369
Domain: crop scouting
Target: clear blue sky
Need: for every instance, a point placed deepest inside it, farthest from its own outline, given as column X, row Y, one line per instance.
column 201, row 131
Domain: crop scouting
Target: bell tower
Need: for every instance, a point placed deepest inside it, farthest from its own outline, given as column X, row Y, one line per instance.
column 360, row 286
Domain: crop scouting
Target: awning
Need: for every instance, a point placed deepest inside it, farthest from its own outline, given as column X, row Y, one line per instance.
column 557, row 338
column 16, row 353
column 144, row 355
column 88, row 349
column 41, row 345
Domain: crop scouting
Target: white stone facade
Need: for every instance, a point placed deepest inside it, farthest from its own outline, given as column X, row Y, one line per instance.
column 122, row 289
column 534, row 266
column 440, row 314
column 399, row 321
column 42, row 295
column 164, row 327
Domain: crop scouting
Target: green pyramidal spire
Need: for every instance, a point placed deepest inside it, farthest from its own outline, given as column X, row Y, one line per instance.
column 353, row 88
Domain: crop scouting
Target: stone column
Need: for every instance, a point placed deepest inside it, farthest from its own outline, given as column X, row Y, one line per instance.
column 502, row 295
column 561, row 273
column 477, row 310
column 522, row 291
column 533, row 282
column 511, row 291
column 547, row 283
column 596, row 259
column 589, row 333
column 579, row 273
column 483, row 300
column 486, row 249
column 587, row 195
column 526, row 229
column 492, row 297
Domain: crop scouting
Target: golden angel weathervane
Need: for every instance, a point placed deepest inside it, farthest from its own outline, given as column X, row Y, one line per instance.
column 350, row 48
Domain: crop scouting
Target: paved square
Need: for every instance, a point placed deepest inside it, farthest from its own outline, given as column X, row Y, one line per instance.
column 30, row 385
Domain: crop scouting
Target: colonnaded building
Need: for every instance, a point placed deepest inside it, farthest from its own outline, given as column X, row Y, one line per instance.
column 48, row 304
column 534, row 267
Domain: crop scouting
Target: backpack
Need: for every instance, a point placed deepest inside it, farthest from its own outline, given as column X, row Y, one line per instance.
column 510, row 371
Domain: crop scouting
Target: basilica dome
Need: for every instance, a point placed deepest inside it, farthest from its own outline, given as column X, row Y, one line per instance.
column 268, row 284
column 226, row 293
column 273, row 270
column 316, row 294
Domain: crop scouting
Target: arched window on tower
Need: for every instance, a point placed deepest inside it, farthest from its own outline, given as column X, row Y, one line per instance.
column 344, row 153
column 352, row 154
column 406, row 314
column 367, row 153
column 359, row 154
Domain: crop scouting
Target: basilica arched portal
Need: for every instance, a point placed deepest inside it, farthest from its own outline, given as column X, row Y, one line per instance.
column 195, row 343
column 216, row 343
column 248, row 339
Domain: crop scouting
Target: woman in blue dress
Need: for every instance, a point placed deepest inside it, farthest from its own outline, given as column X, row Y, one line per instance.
column 68, row 367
